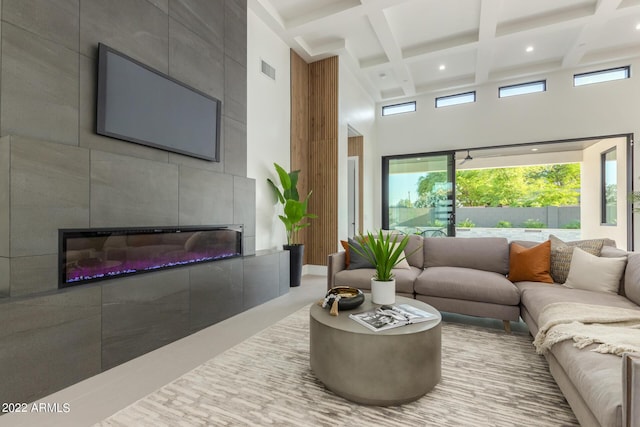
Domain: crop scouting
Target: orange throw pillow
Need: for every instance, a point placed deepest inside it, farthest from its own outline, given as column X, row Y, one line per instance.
column 530, row 264
column 347, row 259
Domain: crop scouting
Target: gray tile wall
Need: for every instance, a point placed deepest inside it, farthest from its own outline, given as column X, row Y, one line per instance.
column 49, row 342
column 142, row 313
column 56, row 172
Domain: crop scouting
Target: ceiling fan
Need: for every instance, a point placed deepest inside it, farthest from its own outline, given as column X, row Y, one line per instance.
column 466, row 159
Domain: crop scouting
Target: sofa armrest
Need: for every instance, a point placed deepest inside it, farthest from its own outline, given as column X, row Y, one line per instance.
column 631, row 390
column 335, row 262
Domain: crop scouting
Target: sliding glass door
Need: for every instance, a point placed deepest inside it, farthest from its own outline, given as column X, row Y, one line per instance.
column 418, row 194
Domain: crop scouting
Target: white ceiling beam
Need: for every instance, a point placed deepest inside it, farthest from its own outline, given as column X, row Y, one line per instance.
column 589, row 32
column 489, row 13
column 390, row 46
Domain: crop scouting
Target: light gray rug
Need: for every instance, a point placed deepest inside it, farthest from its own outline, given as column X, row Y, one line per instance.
column 489, row 378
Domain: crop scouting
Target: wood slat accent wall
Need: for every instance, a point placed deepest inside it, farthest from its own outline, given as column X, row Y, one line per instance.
column 300, row 131
column 356, row 149
column 323, row 152
column 314, row 149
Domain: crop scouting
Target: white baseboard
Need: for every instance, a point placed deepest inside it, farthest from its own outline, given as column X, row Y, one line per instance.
column 316, row 270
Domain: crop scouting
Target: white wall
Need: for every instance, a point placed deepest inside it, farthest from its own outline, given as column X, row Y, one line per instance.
column 356, row 109
column 590, row 212
column 562, row 112
column 268, row 124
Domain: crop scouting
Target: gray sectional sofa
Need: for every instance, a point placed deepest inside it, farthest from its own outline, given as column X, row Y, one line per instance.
column 469, row 276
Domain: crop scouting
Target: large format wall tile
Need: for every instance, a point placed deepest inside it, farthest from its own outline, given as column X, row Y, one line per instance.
column 235, row 30
column 203, row 17
column 87, row 133
column 216, row 292
column 49, row 190
column 126, row 191
column 235, row 90
column 5, row 277
column 48, row 342
column 206, row 198
column 248, row 245
column 5, row 193
column 285, row 279
column 134, row 27
column 39, row 87
column 59, row 26
column 195, row 62
column 163, row 5
column 244, row 204
column 235, row 147
column 261, row 279
column 33, row 274
column 142, row 313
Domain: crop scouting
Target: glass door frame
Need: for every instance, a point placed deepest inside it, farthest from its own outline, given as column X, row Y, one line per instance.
column 451, row 177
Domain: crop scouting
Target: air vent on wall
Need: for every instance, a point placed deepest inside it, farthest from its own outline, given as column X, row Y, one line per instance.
column 268, row 70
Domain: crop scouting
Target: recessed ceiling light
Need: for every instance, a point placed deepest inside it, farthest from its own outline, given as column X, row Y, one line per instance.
column 442, row 67
column 638, row 26
column 529, row 49
column 534, row 149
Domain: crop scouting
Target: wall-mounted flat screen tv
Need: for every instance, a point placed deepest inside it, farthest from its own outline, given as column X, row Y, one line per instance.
column 139, row 104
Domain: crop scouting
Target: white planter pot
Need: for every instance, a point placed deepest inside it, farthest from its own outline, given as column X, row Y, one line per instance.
column 383, row 293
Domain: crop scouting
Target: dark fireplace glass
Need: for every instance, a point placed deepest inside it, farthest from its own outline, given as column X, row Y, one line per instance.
column 97, row 254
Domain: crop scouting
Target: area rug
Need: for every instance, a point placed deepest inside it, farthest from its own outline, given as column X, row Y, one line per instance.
column 489, row 378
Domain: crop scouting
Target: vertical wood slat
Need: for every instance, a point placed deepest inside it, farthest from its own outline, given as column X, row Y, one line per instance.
column 314, row 150
column 323, row 155
column 299, row 128
column 356, row 149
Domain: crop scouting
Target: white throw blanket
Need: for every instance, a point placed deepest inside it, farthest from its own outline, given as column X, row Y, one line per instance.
column 617, row 330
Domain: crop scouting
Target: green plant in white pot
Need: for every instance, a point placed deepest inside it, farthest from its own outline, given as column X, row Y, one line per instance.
column 294, row 212
column 384, row 251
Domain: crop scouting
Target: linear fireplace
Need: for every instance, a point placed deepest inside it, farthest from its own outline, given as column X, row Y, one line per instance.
column 88, row 255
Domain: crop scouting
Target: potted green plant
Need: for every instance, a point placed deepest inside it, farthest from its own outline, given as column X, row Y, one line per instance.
column 294, row 212
column 384, row 251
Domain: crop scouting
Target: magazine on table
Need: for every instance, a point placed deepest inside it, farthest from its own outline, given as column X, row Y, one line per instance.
column 391, row 316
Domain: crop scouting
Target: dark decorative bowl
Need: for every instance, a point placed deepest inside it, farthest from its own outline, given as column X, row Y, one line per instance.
column 350, row 298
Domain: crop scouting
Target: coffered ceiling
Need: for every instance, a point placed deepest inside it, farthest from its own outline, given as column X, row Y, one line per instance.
column 400, row 48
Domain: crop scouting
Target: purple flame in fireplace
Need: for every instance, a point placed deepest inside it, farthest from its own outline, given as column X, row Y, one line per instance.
column 90, row 255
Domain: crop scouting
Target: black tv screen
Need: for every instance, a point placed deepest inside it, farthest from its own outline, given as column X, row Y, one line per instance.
column 139, row 104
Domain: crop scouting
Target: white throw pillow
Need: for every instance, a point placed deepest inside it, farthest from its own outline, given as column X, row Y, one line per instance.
column 404, row 264
column 594, row 273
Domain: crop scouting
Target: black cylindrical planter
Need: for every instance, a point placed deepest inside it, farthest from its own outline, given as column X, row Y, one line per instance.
column 296, row 253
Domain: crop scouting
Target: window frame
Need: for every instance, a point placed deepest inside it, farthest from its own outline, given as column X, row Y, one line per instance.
column 385, row 107
column 456, row 95
column 604, row 219
column 626, row 68
column 523, row 85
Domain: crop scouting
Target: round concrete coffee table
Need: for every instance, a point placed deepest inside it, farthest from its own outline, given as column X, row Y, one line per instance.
column 391, row 367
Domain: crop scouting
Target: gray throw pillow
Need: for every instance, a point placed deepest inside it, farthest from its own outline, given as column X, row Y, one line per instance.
column 356, row 260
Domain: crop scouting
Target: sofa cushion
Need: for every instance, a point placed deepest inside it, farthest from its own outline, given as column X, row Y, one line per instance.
column 480, row 253
column 597, row 377
column 632, row 278
column 347, row 252
column 415, row 254
column 595, row 273
column 361, row 278
column 562, row 252
column 467, row 284
column 530, row 263
column 357, row 261
column 535, row 296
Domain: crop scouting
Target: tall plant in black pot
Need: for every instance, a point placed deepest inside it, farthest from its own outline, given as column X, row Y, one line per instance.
column 294, row 213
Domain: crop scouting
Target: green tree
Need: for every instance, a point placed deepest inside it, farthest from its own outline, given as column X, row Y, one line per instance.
column 525, row 186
